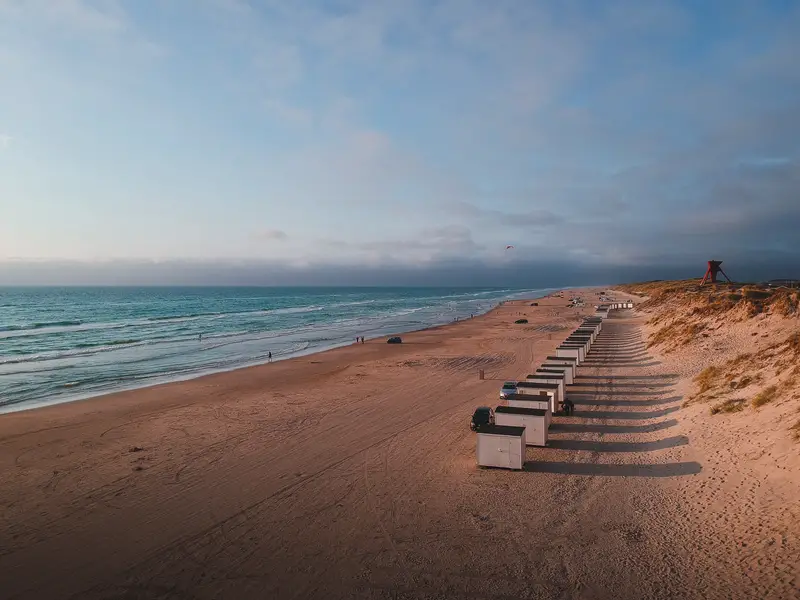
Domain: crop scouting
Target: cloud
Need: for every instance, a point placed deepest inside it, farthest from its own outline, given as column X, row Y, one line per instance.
column 5, row 140
column 537, row 217
column 104, row 16
column 79, row 24
column 428, row 245
column 289, row 114
column 417, row 133
column 453, row 271
column 271, row 235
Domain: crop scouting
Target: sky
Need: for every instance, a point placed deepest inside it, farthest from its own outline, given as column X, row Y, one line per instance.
column 342, row 141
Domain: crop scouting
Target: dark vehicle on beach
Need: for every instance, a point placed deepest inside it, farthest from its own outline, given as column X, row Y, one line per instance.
column 483, row 415
column 394, row 340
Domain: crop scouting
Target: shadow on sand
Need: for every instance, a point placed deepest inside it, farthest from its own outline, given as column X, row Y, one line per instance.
column 624, row 415
column 608, row 392
column 612, row 363
column 594, row 402
column 630, row 377
column 574, row 468
column 593, row 446
column 601, row 385
column 609, row 429
column 593, row 353
column 614, row 356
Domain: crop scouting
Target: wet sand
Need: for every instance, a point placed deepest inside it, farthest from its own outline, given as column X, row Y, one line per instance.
column 351, row 474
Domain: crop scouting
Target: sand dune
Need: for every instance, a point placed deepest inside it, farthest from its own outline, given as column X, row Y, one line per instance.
column 351, row 474
column 734, row 343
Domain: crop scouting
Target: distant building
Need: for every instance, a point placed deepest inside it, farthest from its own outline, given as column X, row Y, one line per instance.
column 790, row 283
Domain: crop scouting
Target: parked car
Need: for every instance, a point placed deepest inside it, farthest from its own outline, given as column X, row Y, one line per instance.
column 509, row 387
column 482, row 416
column 394, row 340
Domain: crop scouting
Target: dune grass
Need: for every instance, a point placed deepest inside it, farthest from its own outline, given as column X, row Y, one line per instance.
column 756, row 294
column 717, row 300
column 676, row 334
column 766, row 396
column 706, row 379
column 793, row 343
column 731, row 405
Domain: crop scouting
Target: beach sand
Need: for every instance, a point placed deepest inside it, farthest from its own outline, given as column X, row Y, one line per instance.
column 351, row 474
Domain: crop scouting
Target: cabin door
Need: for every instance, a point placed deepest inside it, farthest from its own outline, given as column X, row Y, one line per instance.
column 514, row 457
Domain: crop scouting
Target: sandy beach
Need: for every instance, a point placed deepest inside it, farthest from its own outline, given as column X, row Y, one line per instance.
column 351, row 474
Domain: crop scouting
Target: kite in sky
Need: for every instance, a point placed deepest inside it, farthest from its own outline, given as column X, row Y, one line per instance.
column 509, row 247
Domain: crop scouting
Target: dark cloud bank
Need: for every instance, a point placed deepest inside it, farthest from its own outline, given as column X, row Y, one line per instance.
column 443, row 273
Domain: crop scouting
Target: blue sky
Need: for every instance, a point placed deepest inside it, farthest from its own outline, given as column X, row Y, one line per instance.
column 384, row 134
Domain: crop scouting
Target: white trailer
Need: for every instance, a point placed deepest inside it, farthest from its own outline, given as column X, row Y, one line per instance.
column 501, row 446
column 533, row 420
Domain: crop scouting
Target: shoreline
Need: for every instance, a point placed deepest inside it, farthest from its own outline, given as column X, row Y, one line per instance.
column 351, row 473
column 162, row 380
column 257, row 366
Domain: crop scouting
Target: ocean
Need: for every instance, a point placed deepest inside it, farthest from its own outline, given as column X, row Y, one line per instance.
column 62, row 344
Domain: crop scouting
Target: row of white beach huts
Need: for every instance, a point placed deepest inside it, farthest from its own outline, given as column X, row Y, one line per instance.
column 602, row 310
column 525, row 418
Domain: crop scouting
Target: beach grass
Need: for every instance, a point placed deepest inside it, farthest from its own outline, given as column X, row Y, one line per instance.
column 766, row 396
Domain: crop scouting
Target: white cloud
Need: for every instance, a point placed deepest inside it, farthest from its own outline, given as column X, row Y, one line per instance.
column 101, row 16
column 428, row 129
column 37, row 28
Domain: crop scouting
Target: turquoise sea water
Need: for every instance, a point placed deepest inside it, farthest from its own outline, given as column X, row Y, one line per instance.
column 60, row 344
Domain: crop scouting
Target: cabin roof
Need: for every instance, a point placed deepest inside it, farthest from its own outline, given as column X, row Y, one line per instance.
column 508, row 430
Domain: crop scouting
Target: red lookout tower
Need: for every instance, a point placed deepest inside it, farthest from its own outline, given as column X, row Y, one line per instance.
column 713, row 270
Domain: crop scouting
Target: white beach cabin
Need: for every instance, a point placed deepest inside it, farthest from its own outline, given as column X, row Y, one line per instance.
column 557, row 378
column 579, row 348
column 569, row 361
column 590, row 331
column 535, row 388
column 533, row 420
column 565, row 352
column 579, row 338
column 563, row 369
column 542, row 401
column 596, row 323
column 501, row 446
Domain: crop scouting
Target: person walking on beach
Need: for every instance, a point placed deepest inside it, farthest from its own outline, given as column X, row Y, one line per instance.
column 362, row 339
column 269, row 356
column 569, row 406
